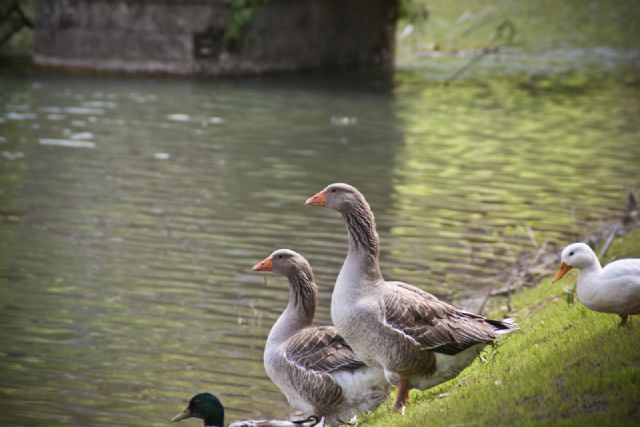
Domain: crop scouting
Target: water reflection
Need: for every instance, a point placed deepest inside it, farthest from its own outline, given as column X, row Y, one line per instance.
column 483, row 167
column 126, row 244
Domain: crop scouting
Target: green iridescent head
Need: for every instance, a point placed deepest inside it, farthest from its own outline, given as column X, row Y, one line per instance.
column 205, row 406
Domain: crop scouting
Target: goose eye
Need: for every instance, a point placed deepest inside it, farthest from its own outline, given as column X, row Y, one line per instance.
column 571, row 253
column 333, row 190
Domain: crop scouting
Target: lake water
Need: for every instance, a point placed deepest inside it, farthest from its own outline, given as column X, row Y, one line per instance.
column 132, row 210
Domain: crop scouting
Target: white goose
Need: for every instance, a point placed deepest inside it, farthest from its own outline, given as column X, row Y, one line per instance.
column 612, row 289
column 417, row 339
column 312, row 365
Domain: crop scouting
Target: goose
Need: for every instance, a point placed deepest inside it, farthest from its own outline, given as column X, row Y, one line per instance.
column 312, row 365
column 612, row 289
column 419, row 340
column 208, row 407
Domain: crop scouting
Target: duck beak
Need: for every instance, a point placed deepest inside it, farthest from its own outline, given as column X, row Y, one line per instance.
column 264, row 265
column 182, row 415
column 564, row 268
column 319, row 199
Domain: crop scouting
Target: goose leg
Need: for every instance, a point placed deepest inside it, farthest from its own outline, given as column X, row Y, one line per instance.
column 403, row 396
column 624, row 318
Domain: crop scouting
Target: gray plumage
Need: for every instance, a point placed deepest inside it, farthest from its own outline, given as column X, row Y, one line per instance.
column 416, row 338
column 313, row 366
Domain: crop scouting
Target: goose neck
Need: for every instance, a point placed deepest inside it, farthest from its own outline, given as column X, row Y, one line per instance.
column 361, row 227
column 300, row 309
column 303, row 293
column 363, row 242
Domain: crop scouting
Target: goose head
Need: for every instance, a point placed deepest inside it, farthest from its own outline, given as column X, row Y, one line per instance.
column 205, row 406
column 576, row 255
column 283, row 261
column 338, row 196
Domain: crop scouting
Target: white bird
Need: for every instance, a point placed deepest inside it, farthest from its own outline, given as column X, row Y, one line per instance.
column 612, row 289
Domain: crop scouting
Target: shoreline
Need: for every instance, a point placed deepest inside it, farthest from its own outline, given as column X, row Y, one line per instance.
column 567, row 365
column 532, row 267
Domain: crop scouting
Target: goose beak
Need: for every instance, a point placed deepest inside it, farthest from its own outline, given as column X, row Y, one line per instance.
column 264, row 265
column 182, row 415
column 564, row 268
column 319, row 199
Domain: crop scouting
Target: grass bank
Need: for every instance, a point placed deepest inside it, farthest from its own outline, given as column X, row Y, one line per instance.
column 567, row 366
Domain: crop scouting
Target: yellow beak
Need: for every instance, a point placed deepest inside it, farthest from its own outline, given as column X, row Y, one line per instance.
column 182, row 415
column 562, row 270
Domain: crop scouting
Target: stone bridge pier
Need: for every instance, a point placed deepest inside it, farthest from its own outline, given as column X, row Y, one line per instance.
column 213, row 37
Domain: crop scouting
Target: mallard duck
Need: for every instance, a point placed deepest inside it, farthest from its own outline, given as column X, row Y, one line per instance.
column 312, row 365
column 612, row 289
column 208, row 407
column 417, row 339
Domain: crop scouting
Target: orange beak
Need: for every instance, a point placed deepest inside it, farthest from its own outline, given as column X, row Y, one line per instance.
column 564, row 268
column 319, row 199
column 264, row 265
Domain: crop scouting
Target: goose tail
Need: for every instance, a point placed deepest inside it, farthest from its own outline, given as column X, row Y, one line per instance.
column 504, row 326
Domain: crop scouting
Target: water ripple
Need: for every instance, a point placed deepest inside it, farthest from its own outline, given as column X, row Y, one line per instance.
column 125, row 272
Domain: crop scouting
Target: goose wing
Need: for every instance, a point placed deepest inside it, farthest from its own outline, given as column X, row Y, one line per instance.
column 433, row 324
column 311, row 356
column 321, row 349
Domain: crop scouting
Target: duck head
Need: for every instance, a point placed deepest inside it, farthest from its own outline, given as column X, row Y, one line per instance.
column 205, row 406
column 576, row 255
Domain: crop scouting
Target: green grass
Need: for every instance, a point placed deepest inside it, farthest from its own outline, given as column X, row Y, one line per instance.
column 567, row 366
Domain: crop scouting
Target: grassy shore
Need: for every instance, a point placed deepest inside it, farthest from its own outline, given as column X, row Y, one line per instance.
column 568, row 366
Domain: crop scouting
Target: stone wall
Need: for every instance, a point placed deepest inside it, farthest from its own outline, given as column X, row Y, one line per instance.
column 187, row 37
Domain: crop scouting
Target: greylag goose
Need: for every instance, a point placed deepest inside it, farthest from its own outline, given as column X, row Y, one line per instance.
column 312, row 365
column 612, row 289
column 208, row 407
column 417, row 339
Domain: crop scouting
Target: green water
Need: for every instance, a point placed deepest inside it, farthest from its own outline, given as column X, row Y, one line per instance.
column 537, row 25
column 131, row 212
